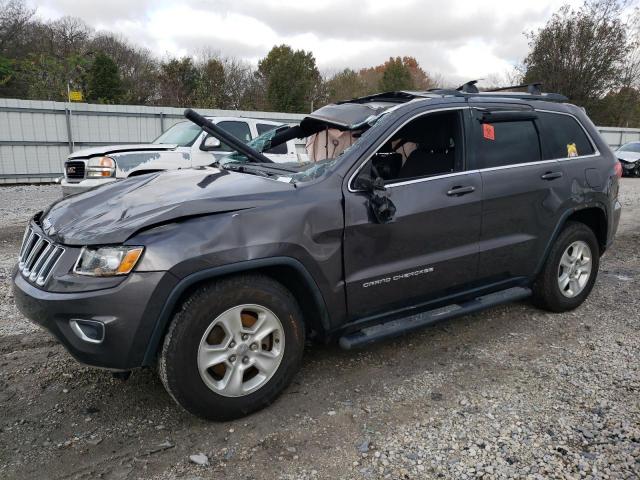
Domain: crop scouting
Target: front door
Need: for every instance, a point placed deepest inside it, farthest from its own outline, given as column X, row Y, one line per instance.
column 430, row 247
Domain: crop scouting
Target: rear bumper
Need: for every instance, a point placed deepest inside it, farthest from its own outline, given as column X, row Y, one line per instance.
column 71, row 188
column 615, row 220
column 128, row 314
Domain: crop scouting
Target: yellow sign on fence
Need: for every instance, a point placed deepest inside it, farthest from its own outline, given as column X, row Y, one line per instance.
column 75, row 96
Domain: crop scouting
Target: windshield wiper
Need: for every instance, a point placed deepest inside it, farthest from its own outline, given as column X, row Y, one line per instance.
column 270, row 168
column 244, row 168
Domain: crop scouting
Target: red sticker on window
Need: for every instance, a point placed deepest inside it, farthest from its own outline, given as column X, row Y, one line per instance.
column 488, row 131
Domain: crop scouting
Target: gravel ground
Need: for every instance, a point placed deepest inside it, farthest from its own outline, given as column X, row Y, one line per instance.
column 512, row 392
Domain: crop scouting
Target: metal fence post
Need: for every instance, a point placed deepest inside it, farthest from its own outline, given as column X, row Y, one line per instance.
column 67, row 114
column 161, row 122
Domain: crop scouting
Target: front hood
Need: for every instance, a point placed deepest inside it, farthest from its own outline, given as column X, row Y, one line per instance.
column 107, row 149
column 628, row 156
column 114, row 212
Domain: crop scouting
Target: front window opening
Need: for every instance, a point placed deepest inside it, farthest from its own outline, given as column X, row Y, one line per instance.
column 322, row 150
column 182, row 134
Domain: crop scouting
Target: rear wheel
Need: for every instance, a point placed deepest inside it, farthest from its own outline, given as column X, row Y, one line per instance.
column 570, row 271
column 233, row 347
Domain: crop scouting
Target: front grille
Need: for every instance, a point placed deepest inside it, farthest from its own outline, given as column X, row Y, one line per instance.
column 37, row 257
column 74, row 169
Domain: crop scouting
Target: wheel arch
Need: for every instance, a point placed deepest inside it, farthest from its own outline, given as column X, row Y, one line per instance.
column 593, row 216
column 290, row 272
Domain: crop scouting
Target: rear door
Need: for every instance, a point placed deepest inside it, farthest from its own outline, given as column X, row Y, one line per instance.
column 522, row 192
column 430, row 248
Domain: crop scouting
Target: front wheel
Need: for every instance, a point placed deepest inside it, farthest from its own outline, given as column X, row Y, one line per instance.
column 570, row 271
column 233, row 347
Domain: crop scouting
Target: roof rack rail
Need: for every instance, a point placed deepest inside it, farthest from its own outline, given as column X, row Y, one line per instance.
column 469, row 89
column 534, row 88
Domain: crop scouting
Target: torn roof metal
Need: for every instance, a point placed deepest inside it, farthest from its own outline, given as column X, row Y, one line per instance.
column 355, row 113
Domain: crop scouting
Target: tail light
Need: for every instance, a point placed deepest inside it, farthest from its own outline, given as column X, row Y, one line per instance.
column 618, row 168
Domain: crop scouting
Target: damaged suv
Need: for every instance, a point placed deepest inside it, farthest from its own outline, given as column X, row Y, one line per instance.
column 414, row 207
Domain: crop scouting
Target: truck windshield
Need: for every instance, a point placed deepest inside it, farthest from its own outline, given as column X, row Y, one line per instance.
column 182, row 134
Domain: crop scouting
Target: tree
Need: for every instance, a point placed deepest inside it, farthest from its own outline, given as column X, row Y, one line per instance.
column 291, row 79
column 396, row 76
column 419, row 78
column 14, row 19
column 579, row 53
column 210, row 91
column 345, row 85
column 177, row 82
column 104, row 83
column 137, row 67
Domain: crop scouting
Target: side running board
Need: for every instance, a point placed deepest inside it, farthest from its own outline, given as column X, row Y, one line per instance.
column 401, row 326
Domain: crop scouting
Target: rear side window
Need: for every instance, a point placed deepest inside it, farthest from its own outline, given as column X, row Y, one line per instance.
column 240, row 130
column 508, row 143
column 562, row 136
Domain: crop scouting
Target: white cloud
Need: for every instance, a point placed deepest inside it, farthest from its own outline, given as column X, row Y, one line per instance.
column 457, row 38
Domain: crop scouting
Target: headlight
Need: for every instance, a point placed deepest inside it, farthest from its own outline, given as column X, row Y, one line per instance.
column 107, row 261
column 99, row 167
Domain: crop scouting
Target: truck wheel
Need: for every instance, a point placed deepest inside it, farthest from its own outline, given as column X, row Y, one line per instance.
column 233, row 347
column 570, row 271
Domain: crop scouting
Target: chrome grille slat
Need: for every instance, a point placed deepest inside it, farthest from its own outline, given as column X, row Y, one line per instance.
column 28, row 263
column 38, row 257
column 38, row 263
column 50, row 264
column 24, row 251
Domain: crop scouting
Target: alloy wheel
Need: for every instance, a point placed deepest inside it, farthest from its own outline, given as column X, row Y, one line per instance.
column 241, row 350
column 574, row 270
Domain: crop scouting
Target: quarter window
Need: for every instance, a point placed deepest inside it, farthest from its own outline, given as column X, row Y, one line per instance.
column 562, row 136
column 508, row 143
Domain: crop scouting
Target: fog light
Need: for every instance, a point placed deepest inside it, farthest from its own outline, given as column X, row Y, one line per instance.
column 88, row 330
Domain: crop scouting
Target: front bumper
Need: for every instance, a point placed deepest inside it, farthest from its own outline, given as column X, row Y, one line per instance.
column 73, row 187
column 128, row 312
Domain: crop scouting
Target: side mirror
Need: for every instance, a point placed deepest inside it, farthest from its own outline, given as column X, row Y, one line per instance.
column 209, row 143
column 366, row 183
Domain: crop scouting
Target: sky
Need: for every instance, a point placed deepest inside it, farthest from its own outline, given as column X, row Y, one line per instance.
column 456, row 39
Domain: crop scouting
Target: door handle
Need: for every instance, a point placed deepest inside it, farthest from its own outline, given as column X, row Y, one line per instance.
column 457, row 191
column 551, row 175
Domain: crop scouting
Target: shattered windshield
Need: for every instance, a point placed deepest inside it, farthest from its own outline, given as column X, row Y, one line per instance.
column 182, row 134
column 261, row 143
column 324, row 148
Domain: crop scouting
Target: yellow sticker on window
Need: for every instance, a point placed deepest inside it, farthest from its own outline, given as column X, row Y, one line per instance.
column 572, row 150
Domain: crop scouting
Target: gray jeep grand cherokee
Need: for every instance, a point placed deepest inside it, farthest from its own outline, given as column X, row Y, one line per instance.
column 414, row 207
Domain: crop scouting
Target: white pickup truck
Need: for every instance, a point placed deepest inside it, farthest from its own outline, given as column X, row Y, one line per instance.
column 184, row 145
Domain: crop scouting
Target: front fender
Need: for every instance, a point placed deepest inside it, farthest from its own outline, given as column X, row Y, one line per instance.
column 211, row 273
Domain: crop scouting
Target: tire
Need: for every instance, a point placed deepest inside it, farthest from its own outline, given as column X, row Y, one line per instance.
column 208, row 322
column 547, row 291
